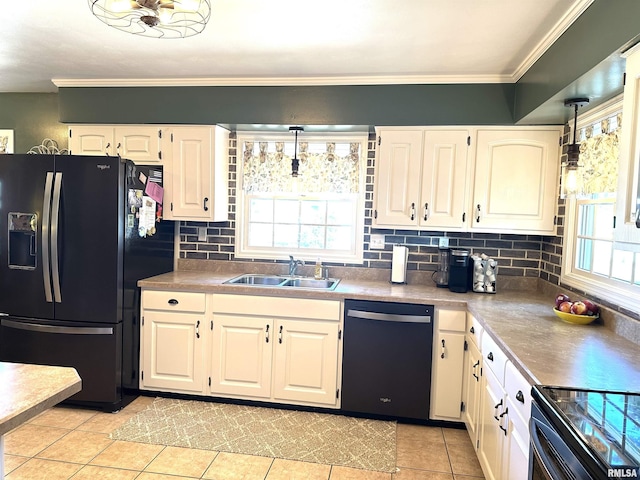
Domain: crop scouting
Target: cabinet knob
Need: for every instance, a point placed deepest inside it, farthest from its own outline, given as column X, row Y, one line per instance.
column 173, row 301
column 472, row 330
column 520, row 396
column 490, row 356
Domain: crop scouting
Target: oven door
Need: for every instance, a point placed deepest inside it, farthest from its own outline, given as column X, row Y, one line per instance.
column 551, row 458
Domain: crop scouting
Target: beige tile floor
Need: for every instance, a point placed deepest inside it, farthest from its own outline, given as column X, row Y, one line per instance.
column 68, row 443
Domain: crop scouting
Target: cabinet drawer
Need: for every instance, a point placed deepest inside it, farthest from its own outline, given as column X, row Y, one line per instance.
column 178, row 301
column 474, row 329
column 519, row 390
column 452, row 320
column 493, row 357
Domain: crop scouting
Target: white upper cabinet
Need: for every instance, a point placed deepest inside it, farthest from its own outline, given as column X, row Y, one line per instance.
column 139, row 143
column 444, row 179
column 515, row 187
column 398, row 169
column 421, row 178
column 196, row 171
column 468, row 179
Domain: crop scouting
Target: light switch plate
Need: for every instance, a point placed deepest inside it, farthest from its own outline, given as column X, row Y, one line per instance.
column 202, row 234
column 443, row 242
column 376, row 242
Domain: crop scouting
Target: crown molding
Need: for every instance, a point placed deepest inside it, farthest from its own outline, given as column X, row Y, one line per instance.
column 280, row 81
column 559, row 28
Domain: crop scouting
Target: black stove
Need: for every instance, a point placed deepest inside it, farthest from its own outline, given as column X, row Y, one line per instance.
column 585, row 434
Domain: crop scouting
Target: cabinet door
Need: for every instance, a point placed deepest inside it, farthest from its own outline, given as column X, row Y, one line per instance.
column 91, row 140
column 306, row 361
column 172, row 351
column 138, row 144
column 516, row 180
column 444, row 180
column 398, row 168
column 516, row 452
column 448, row 366
column 472, row 391
column 241, row 355
column 491, row 439
column 189, row 174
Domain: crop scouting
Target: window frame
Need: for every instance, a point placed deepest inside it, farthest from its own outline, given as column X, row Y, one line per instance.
column 243, row 251
column 619, row 292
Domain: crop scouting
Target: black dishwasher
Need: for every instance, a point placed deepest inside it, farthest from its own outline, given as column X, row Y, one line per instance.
column 386, row 360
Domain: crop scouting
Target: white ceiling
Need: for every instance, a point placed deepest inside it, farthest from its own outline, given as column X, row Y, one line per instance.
column 285, row 42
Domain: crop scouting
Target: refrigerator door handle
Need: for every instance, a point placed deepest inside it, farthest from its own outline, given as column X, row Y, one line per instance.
column 55, row 260
column 46, row 217
column 36, row 327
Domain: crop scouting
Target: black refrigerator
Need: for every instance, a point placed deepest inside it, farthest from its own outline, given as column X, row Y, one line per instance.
column 76, row 235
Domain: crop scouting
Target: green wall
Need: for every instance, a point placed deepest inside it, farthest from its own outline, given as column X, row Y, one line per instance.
column 304, row 105
column 33, row 117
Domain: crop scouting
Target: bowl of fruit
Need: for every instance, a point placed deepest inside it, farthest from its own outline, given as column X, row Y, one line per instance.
column 580, row 312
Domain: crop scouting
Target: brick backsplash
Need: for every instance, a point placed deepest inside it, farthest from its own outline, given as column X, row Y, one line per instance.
column 517, row 255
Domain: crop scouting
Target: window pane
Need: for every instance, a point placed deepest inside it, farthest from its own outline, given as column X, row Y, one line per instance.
column 584, row 248
column 622, row 265
column 260, row 235
column 312, row 236
column 636, row 275
column 313, row 212
column 601, row 257
column 261, row 210
column 603, row 225
column 285, row 236
column 339, row 238
column 339, row 213
column 286, row 211
column 585, row 220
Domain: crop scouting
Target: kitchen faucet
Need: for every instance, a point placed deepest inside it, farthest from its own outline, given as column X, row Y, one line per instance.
column 293, row 264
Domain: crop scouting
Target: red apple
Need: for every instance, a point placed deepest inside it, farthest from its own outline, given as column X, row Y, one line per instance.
column 561, row 298
column 565, row 307
column 579, row 308
column 592, row 308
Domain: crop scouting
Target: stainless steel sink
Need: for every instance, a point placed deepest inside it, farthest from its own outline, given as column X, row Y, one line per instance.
column 326, row 284
column 278, row 281
column 254, row 279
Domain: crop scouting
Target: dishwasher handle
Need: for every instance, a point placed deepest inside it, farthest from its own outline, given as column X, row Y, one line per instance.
column 389, row 317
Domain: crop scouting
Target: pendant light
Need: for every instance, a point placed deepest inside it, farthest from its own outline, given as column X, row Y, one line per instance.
column 571, row 184
column 154, row 18
column 295, row 163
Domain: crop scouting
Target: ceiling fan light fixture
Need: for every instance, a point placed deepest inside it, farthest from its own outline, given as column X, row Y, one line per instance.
column 154, row 18
column 571, row 185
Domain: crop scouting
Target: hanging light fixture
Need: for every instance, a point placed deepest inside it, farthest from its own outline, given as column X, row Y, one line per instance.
column 154, row 18
column 571, row 184
column 295, row 163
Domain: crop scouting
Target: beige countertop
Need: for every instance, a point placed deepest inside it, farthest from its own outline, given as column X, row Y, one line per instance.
column 27, row 390
column 545, row 349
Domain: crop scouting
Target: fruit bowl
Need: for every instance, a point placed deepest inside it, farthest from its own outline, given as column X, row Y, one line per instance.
column 575, row 319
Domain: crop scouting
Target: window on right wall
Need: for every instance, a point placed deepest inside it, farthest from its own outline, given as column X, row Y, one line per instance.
column 598, row 257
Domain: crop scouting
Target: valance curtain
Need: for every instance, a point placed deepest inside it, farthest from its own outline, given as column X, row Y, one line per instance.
column 599, row 151
column 325, row 167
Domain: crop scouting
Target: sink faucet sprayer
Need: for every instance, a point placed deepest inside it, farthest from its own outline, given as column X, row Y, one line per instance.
column 293, row 264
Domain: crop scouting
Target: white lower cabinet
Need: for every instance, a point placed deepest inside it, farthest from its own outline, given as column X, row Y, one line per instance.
column 472, row 379
column 241, row 355
column 448, row 365
column 503, row 443
column 173, row 341
column 279, row 349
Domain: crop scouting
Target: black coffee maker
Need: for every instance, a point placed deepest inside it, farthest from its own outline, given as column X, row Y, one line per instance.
column 459, row 271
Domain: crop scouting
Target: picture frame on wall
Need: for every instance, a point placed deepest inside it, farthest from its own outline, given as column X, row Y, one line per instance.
column 6, row 141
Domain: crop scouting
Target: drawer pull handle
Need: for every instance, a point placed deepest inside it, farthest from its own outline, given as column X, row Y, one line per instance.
column 490, row 356
column 267, row 334
column 472, row 330
column 442, row 352
column 426, row 212
column 506, row 412
column 475, row 365
column 198, row 329
column 280, row 335
column 413, row 211
column 478, row 214
column 495, row 408
column 204, row 204
column 173, row 301
column 520, row 396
